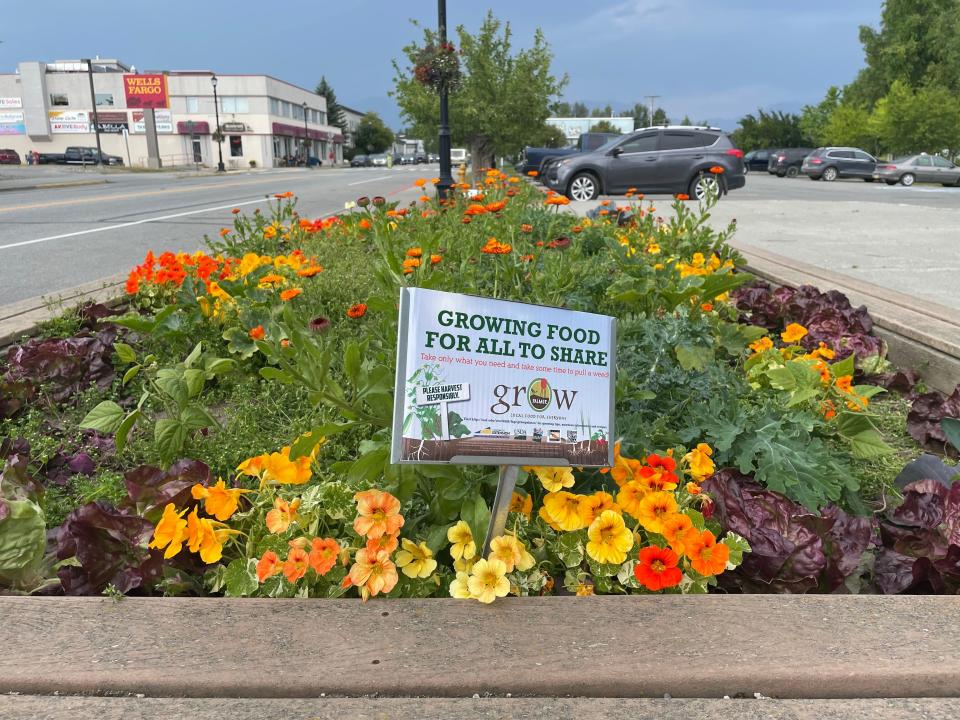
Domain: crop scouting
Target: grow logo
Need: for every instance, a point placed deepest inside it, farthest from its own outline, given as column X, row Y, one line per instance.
column 539, row 394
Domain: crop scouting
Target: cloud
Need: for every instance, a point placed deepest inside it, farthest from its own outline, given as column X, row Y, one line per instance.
column 634, row 14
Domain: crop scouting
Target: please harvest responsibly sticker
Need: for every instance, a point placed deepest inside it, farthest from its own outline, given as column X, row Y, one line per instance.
column 492, row 382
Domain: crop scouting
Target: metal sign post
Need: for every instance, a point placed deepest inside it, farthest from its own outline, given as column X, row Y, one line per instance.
column 501, row 504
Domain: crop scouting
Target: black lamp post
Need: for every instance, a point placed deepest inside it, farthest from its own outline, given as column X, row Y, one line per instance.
column 446, row 177
column 216, row 112
column 306, row 154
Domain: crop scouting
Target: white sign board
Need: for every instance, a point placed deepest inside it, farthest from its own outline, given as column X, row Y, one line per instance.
column 492, row 382
column 11, row 102
column 163, row 119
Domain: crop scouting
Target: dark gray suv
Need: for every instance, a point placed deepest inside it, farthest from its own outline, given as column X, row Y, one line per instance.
column 670, row 159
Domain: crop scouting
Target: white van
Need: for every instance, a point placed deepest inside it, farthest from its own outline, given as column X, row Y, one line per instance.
column 458, row 155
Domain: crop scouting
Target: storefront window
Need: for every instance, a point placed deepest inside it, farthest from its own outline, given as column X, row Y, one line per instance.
column 235, row 104
column 59, row 99
column 104, row 99
column 236, row 146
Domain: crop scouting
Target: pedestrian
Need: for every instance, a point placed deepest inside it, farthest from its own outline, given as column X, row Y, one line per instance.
column 29, row 155
column 390, row 160
column 36, row 157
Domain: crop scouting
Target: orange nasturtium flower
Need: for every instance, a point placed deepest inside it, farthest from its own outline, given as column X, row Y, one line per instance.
column 844, row 383
column 296, row 564
column 290, row 294
column 676, row 528
column 511, row 552
column 357, row 311
column 219, row 501
column 657, row 569
column 654, row 508
column 323, row 555
column 761, row 345
column 202, row 536
column 379, row 514
column 630, row 496
column 373, row 573
column 592, row 506
column 793, row 333
column 610, row 539
column 522, row 504
column 278, row 467
column 169, row 532
column 257, row 333
column 699, row 464
column 283, row 513
column 268, row 566
column 707, row 556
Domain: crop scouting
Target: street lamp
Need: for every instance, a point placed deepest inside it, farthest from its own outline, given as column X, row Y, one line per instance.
column 446, row 178
column 306, row 155
column 216, row 112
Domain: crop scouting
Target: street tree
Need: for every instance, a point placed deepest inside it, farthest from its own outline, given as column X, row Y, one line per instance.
column 579, row 110
column 769, row 129
column 604, row 126
column 660, row 117
column 561, row 109
column 641, row 116
column 925, row 120
column 505, row 95
column 335, row 114
column 604, row 112
column 814, row 118
column 372, row 135
column 549, row 136
column 852, row 126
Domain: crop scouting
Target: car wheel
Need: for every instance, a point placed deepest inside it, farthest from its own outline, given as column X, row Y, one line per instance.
column 814, row 177
column 781, row 174
column 890, row 182
column 702, row 185
column 793, row 171
column 870, row 179
column 907, row 179
column 830, row 174
column 746, row 169
column 583, row 187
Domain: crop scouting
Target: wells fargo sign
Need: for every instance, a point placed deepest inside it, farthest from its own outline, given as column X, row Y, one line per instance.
column 146, row 91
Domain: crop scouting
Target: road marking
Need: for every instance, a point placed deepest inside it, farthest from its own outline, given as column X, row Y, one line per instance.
column 361, row 182
column 130, row 224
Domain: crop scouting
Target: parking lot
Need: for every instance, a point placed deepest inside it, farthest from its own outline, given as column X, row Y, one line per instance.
column 906, row 239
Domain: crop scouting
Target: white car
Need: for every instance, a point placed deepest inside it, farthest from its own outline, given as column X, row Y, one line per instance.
column 380, row 159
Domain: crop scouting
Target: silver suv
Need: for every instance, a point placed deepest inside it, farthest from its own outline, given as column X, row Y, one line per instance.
column 663, row 159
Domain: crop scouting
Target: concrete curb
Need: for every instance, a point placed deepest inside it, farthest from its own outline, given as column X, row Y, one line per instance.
column 63, row 184
column 826, row 647
column 919, row 334
column 31, row 707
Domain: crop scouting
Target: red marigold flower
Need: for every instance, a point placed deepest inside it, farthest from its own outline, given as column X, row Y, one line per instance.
column 681, row 196
column 525, row 228
column 657, row 569
column 257, row 333
column 235, row 211
column 357, row 311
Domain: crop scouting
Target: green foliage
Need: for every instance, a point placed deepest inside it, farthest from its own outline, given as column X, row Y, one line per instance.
column 335, row 114
column 372, row 135
column 814, row 118
column 927, row 119
column 770, row 130
column 604, row 126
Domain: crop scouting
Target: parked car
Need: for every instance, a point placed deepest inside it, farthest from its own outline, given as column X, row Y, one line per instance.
column 756, row 160
column 433, row 158
column 830, row 163
column 533, row 158
column 361, row 161
column 420, row 157
column 405, row 160
column 9, row 157
column 378, row 160
column 458, row 155
column 918, row 168
column 786, row 162
column 664, row 159
column 51, row 158
column 88, row 156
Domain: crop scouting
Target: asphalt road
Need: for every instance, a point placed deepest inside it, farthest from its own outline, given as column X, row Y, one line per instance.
column 52, row 239
column 905, row 239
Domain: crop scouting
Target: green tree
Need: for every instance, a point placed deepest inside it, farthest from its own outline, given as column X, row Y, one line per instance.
column 924, row 120
column 549, row 136
column 561, row 109
column 603, row 112
column 604, row 126
column 814, row 118
column 641, row 116
column 505, row 97
column 335, row 114
column 372, row 135
column 852, row 125
column 686, row 120
column 660, row 117
column 767, row 130
column 579, row 110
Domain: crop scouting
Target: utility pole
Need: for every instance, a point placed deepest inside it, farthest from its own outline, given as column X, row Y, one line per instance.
column 446, row 177
column 96, row 120
column 650, row 99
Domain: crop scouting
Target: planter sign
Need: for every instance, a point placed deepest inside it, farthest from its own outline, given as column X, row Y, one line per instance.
column 491, row 382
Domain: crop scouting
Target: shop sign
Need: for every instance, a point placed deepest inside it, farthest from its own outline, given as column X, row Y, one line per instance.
column 112, row 122
column 162, row 118
column 10, row 102
column 69, row 121
column 233, row 127
column 491, row 382
column 146, row 91
column 11, row 123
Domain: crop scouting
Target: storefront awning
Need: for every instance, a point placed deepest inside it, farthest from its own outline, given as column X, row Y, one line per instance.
column 297, row 132
column 200, row 127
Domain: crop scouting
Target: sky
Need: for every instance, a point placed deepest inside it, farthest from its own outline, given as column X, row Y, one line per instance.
column 713, row 60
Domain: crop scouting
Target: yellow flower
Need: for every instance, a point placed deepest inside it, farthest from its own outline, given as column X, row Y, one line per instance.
column 416, row 561
column 554, row 478
column 564, row 509
column 511, row 552
column 653, row 249
column 460, row 587
column 218, row 500
column 488, row 581
column 591, row 506
column 793, row 333
column 699, row 463
column 654, row 508
column 522, row 504
column 545, row 516
column 761, row 345
column 465, row 566
column 202, row 535
column 630, row 497
column 584, row 590
column 609, row 538
column 461, row 539
column 169, row 532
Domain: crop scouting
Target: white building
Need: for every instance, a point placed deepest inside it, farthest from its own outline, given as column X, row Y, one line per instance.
column 353, row 118
column 47, row 107
column 573, row 128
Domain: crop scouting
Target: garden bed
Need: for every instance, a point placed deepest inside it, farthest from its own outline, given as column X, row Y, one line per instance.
column 228, row 432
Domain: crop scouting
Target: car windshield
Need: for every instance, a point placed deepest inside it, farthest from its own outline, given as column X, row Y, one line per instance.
column 610, row 143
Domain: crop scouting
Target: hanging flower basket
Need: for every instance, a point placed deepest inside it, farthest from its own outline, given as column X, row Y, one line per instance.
column 438, row 67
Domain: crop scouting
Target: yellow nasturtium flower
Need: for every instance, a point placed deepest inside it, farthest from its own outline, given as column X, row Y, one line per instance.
column 512, row 553
column 488, row 581
column 416, row 561
column 554, row 478
column 462, row 543
column 564, row 509
column 794, row 333
column 699, row 463
column 610, row 539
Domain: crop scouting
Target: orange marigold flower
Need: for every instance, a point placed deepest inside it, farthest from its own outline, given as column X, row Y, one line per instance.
column 420, row 182
column 707, row 556
column 466, row 221
column 434, row 259
column 290, row 294
column 657, row 569
column 268, row 566
column 235, row 211
column 224, row 232
column 526, row 258
column 475, row 209
column 496, row 206
column 681, row 196
column 323, row 555
column 844, row 383
column 296, row 564
column 495, row 247
column 364, row 224
column 357, row 311
column 379, row 514
column 525, row 228
column 257, row 333
column 414, row 252
column 557, row 200
column 424, row 198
